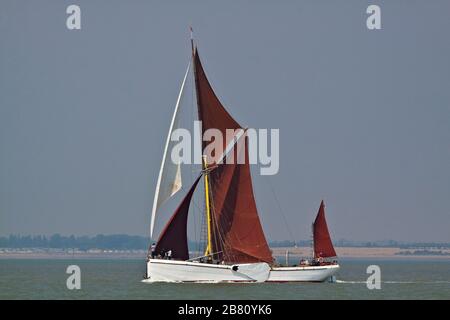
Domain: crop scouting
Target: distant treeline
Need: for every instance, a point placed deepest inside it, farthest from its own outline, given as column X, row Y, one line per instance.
column 56, row 241
column 128, row 242
column 422, row 253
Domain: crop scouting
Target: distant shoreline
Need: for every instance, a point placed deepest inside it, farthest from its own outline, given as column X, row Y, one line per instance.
column 294, row 252
column 365, row 252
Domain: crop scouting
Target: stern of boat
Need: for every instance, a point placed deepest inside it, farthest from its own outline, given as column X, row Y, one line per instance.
column 303, row 273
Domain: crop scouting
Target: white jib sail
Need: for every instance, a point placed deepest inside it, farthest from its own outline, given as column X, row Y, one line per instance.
column 169, row 178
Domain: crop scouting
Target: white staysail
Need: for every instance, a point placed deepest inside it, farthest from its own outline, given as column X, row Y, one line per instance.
column 169, row 178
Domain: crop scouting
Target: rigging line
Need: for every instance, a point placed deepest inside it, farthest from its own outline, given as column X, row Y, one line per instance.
column 219, row 238
column 214, row 227
column 204, row 256
column 281, row 211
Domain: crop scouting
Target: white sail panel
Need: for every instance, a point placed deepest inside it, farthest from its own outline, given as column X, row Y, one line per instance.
column 169, row 178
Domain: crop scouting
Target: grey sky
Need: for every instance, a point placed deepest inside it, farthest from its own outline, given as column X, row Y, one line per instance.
column 364, row 116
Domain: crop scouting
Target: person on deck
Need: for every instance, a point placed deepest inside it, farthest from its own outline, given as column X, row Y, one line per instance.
column 153, row 250
column 320, row 260
column 169, row 255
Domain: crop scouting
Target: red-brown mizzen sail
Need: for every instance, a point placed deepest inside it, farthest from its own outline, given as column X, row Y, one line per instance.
column 237, row 234
column 323, row 246
column 174, row 235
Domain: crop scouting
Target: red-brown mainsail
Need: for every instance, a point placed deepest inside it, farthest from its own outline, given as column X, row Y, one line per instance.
column 210, row 111
column 323, row 247
column 237, row 234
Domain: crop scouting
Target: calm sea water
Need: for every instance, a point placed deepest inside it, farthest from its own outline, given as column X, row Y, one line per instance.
column 121, row 279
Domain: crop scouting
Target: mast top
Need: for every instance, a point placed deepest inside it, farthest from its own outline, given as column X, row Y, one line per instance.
column 192, row 39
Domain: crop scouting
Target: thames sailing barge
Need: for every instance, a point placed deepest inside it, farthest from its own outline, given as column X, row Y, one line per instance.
column 236, row 248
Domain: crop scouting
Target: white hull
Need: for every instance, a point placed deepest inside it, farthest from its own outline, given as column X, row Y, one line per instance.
column 184, row 271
